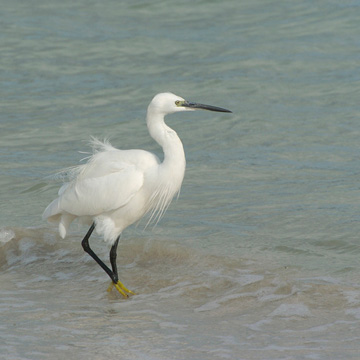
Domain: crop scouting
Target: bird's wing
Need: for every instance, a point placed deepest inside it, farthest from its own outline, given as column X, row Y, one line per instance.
column 106, row 182
column 90, row 196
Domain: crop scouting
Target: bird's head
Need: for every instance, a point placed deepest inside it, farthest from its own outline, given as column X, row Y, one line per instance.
column 168, row 103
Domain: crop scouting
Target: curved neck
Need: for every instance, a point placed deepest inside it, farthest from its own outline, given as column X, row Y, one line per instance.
column 167, row 138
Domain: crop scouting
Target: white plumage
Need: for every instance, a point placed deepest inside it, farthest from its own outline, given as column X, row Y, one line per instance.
column 115, row 188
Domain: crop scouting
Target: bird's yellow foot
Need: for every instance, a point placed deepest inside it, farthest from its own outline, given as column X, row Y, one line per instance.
column 120, row 287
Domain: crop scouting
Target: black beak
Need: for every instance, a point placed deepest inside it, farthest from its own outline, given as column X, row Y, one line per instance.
column 192, row 105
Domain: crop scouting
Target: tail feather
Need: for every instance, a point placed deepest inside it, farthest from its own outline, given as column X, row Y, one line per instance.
column 64, row 223
column 52, row 211
column 53, row 214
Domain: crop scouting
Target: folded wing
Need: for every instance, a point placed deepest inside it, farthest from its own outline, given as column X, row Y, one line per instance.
column 90, row 195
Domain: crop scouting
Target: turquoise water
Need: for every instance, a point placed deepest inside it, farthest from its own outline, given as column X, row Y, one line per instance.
column 259, row 256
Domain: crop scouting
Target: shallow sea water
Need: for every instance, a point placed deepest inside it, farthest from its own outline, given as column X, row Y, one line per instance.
column 259, row 256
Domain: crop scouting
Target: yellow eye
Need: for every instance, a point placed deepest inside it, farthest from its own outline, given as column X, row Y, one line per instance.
column 177, row 102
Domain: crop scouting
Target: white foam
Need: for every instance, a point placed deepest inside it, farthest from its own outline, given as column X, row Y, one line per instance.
column 257, row 326
column 6, row 235
column 288, row 310
column 353, row 312
column 248, row 279
column 353, row 297
column 211, row 305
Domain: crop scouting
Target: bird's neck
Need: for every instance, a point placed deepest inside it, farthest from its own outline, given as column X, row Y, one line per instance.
column 167, row 138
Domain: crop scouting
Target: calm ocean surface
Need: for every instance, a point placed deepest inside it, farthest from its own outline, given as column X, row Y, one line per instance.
column 259, row 256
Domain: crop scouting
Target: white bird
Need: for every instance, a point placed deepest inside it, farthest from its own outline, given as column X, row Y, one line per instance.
column 115, row 188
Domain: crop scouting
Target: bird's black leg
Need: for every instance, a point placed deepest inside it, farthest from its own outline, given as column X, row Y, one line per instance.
column 86, row 247
column 113, row 253
column 112, row 274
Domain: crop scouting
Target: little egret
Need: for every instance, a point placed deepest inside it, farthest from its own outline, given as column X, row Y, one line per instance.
column 115, row 188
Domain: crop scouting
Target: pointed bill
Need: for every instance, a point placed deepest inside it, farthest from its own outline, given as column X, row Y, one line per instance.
column 192, row 105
